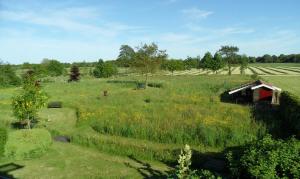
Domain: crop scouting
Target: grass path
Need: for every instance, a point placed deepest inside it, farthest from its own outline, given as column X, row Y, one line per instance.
column 71, row 161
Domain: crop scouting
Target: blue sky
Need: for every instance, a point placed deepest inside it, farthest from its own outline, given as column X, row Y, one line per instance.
column 74, row 30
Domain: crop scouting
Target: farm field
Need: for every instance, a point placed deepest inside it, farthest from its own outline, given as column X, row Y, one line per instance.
column 259, row 69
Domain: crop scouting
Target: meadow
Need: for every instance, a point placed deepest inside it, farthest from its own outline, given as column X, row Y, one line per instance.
column 142, row 127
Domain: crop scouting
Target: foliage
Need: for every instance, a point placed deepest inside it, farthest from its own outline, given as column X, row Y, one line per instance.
column 8, row 76
column 74, row 73
column 3, row 140
column 183, row 168
column 104, row 69
column 290, row 113
column 191, row 62
column 266, row 158
column 148, row 59
column 53, row 67
column 184, row 162
column 25, row 144
column 32, row 98
column 207, row 61
column 291, row 58
column 173, row 65
column 126, row 56
column 230, row 56
column 213, row 63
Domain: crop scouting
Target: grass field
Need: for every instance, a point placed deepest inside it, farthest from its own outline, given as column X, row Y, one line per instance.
column 119, row 134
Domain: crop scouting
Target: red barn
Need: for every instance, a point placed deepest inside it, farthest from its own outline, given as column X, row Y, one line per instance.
column 256, row 91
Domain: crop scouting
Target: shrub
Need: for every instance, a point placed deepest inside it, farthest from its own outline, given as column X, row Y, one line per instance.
column 290, row 114
column 3, row 139
column 155, row 85
column 24, row 144
column 8, row 76
column 75, row 74
column 183, row 168
column 266, row 158
column 104, row 69
column 53, row 67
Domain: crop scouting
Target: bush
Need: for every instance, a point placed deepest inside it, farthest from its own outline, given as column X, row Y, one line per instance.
column 105, row 69
column 290, row 114
column 53, row 67
column 3, row 139
column 24, row 144
column 266, row 158
column 8, row 76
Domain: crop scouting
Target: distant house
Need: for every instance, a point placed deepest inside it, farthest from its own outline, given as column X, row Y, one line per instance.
column 255, row 92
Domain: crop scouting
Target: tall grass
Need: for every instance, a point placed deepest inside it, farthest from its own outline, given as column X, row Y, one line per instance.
column 186, row 110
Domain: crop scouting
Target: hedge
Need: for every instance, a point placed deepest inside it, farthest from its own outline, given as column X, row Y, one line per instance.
column 290, row 113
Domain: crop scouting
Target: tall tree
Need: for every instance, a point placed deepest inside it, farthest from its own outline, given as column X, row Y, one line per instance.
column 207, row 60
column 148, row 59
column 217, row 62
column 126, row 56
column 230, row 55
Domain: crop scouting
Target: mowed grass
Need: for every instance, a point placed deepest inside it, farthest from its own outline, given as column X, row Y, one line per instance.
column 286, row 83
column 71, row 161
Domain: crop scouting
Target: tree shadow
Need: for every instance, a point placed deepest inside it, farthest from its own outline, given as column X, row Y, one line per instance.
column 146, row 169
column 6, row 168
column 270, row 116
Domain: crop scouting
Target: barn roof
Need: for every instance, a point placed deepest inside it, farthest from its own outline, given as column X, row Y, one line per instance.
column 255, row 85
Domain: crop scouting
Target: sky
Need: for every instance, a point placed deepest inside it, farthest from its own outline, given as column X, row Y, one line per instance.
column 77, row 30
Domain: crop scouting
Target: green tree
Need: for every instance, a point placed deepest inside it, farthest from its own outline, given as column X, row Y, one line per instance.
column 217, row 62
column 104, row 69
column 26, row 105
column 53, row 67
column 126, row 56
column 8, row 76
column 191, row 62
column 207, row 61
column 244, row 60
column 173, row 65
column 148, row 59
column 230, row 55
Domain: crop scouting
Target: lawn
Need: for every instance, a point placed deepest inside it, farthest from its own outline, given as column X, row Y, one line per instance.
column 71, row 161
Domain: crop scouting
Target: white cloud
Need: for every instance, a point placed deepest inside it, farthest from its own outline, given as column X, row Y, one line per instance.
column 196, row 14
column 84, row 20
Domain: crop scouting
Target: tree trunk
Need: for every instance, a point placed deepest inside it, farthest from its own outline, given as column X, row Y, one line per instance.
column 28, row 122
column 146, row 81
column 229, row 69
